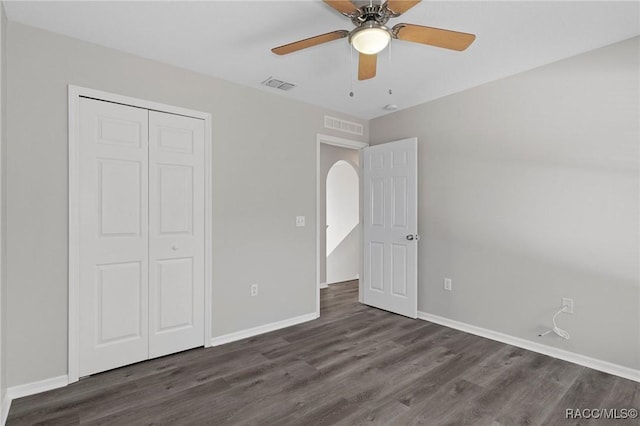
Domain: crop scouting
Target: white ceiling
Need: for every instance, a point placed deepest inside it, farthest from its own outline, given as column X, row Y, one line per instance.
column 232, row 40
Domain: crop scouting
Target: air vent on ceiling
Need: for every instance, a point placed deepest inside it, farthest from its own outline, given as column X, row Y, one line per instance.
column 343, row 125
column 278, row 84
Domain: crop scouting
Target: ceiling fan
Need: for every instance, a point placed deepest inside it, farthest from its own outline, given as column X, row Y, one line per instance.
column 371, row 35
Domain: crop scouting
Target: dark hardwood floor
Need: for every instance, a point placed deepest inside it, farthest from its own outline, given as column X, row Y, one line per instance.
column 355, row 365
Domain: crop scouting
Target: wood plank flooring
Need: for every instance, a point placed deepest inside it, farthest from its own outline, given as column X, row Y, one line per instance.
column 355, row 365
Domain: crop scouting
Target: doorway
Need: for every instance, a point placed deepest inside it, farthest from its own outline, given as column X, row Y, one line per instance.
column 342, row 209
column 339, row 212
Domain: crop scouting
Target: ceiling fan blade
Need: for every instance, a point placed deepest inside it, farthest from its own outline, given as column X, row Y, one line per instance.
column 433, row 36
column 343, row 6
column 401, row 6
column 309, row 42
column 367, row 66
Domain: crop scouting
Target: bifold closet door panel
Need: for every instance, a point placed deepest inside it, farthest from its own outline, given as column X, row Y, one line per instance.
column 176, row 233
column 113, row 291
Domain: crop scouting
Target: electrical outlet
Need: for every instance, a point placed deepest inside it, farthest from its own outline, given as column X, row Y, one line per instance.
column 569, row 305
column 300, row 221
column 254, row 289
column 447, row 284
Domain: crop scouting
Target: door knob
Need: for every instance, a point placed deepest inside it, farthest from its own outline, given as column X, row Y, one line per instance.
column 412, row 237
column 174, row 247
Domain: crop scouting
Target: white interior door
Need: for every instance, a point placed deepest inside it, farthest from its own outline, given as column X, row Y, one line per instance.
column 113, row 290
column 390, row 275
column 176, row 233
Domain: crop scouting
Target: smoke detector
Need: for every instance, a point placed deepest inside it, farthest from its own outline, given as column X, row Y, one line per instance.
column 278, row 84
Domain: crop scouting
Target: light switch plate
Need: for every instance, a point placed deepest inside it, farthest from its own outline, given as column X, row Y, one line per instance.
column 300, row 221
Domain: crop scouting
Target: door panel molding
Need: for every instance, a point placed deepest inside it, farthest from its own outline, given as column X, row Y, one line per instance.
column 75, row 93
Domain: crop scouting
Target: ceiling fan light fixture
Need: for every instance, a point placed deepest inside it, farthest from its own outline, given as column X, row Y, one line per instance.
column 370, row 38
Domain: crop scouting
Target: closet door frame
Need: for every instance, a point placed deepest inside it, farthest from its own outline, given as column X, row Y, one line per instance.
column 75, row 93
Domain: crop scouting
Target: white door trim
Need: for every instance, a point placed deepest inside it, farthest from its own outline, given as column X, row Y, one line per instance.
column 343, row 143
column 4, row 407
column 75, row 93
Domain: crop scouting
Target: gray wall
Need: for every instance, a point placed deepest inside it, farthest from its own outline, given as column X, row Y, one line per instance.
column 329, row 155
column 3, row 222
column 343, row 264
column 264, row 148
column 528, row 192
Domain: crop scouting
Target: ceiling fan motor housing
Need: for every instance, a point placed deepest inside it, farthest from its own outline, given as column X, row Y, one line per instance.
column 375, row 13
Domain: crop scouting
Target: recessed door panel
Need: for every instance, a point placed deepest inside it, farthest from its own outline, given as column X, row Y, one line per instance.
column 175, row 139
column 399, row 269
column 376, row 266
column 377, row 202
column 399, row 158
column 119, row 188
column 399, row 200
column 376, row 161
column 119, row 304
column 175, row 294
column 119, row 131
column 175, row 183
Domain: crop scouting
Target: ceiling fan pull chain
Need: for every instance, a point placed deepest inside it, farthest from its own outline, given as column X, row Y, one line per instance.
column 351, row 69
column 390, row 71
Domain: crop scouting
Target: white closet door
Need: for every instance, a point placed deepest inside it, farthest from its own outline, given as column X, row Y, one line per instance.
column 113, row 291
column 176, row 233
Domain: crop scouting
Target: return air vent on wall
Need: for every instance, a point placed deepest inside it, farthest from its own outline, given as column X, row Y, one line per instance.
column 343, row 125
column 278, row 84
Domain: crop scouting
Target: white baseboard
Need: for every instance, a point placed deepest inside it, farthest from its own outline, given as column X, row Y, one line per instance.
column 15, row 392
column 4, row 410
column 596, row 364
column 343, row 280
column 324, row 285
column 239, row 335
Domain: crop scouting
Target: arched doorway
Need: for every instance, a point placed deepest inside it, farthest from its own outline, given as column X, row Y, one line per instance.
column 343, row 223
